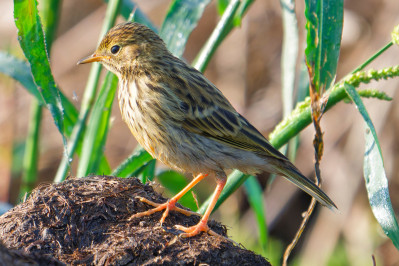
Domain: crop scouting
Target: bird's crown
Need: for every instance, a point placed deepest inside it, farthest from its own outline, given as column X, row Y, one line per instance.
column 130, row 33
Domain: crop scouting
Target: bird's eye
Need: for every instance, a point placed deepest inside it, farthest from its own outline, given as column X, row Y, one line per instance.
column 115, row 49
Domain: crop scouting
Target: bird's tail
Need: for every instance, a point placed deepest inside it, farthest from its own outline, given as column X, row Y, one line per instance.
column 290, row 172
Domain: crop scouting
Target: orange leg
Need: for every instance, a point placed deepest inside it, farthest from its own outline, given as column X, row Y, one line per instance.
column 203, row 223
column 170, row 205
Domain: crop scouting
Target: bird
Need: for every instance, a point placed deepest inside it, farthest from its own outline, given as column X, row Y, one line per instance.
column 179, row 117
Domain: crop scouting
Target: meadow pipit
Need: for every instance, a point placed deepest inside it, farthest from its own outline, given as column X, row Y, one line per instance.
column 184, row 121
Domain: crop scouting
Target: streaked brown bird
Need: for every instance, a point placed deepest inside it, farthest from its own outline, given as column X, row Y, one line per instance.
column 184, row 121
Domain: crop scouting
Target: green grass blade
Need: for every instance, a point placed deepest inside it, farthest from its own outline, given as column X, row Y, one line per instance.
column 20, row 71
column 355, row 97
column 217, row 36
column 180, row 21
column 88, row 97
column 373, row 57
column 324, row 31
column 289, row 54
column 31, row 39
column 127, row 6
column 175, row 182
column 133, row 163
column 238, row 16
column 302, row 93
column 49, row 13
column 31, row 153
column 148, row 171
column 97, row 128
column 241, row 11
column 254, row 194
column 374, row 174
column 289, row 59
column 377, row 188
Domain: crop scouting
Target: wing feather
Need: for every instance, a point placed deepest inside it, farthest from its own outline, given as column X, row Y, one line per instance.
column 212, row 115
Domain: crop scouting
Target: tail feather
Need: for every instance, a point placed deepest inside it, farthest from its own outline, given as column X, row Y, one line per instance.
column 291, row 173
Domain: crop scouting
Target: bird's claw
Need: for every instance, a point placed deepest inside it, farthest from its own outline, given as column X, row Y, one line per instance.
column 167, row 206
column 197, row 229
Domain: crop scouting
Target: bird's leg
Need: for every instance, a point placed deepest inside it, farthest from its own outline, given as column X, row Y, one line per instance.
column 203, row 223
column 170, row 204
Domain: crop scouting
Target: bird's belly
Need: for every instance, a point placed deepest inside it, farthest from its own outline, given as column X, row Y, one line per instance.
column 176, row 148
column 192, row 153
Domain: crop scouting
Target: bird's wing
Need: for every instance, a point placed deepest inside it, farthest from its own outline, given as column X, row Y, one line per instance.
column 231, row 129
column 211, row 115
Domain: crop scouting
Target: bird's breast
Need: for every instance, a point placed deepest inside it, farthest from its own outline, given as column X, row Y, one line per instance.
column 143, row 112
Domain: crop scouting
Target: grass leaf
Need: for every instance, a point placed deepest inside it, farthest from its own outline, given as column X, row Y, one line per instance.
column 219, row 33
column 324, row 30
column 31, row 39
column 31, row 153
column 148, row 171
column 133, row 163
column 374, row 174
column 97, row 128
column 20, row 71
column 127, row 6
column 254, row 194
column 289, row 54
column 377, row 188
column 180, row 21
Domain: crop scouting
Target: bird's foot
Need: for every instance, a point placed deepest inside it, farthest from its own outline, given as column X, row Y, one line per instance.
column 197, row 229
column 167, row 206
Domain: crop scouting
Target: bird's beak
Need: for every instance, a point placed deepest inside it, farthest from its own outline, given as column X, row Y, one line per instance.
column 92, row 58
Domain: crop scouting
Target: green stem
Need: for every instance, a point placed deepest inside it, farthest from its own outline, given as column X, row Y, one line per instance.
column 127, row 6
column 31, row 154
column 217, row 36
column 49, row 12
column 88, row 97
column 289, row 54
column 374, row 56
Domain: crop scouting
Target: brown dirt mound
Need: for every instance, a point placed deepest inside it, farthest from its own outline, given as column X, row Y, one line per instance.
column 86, row 221
column 20, row 258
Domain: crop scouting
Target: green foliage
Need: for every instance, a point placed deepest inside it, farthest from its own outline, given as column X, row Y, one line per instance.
column 97, row 129
column 377, row 187
column 374, row 173
column 31, row 39
column 180, row 21
column 132, row 166
column 324, row 21
column 220, row 32
column 20, row 71
column 254, row 194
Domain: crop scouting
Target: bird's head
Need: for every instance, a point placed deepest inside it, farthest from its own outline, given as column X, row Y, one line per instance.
column 127, row 47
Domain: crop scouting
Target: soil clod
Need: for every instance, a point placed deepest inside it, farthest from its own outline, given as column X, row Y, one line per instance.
column 85, row 221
